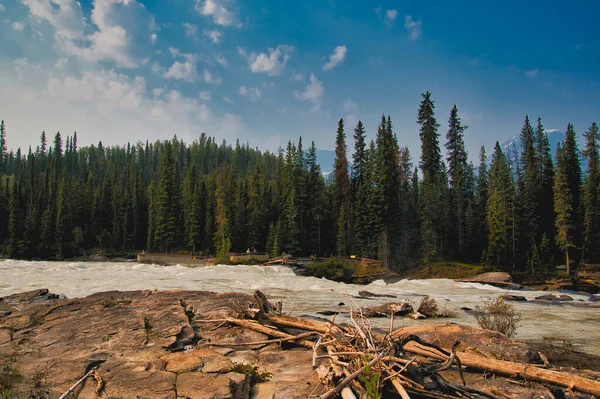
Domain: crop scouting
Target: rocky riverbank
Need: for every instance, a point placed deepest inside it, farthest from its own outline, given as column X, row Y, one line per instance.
column 178, row 344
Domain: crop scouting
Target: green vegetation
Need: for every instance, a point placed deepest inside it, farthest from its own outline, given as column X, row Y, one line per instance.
column 371, row 382
column 251, row 370
column 331, row 270
column 452, row 270
column 112, row 302
column 498, row 315
column 521, row 213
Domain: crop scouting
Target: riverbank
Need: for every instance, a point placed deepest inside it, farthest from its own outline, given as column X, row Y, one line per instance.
column 163, row 344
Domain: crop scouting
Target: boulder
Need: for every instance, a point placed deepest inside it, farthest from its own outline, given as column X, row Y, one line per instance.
column 497, row 279
column 510, row 297
column 386, row 310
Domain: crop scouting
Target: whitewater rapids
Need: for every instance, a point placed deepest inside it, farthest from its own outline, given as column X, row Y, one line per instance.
column 303, row 295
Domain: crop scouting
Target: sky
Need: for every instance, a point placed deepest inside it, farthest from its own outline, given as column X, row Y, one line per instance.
column 267, row 71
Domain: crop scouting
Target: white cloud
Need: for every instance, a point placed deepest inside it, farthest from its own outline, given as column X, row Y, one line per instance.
column 253, row 93
column 415, row 27
column 339, row 53
column 153, row 38
column 204, row 95
column 182, row 71
column 106, row 90
column 391, row 15
column 271, row 63
column 350, row 106
column 532, row 73
column 210, row 79
column 105, row 105
column 174, row 104
column 221, row 60
column 298, row 76
column 1, row 8
column 190, row 29
column 61, row 62
column 214, row 35
column 227, row 100
column 312, row 92
column 18, row 26
column 117, row 27
column 220, row 11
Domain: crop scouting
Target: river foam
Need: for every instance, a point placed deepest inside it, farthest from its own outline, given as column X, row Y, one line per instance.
column 300, row 295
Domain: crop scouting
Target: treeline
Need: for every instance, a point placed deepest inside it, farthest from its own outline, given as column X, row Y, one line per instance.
column 525, row 214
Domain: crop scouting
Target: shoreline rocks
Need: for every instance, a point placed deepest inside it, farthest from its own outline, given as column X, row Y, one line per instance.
column 163, row 344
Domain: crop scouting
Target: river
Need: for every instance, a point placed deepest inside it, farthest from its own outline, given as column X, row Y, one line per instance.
column 302, row 295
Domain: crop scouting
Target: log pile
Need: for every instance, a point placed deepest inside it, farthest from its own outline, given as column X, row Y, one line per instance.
column 353, row 361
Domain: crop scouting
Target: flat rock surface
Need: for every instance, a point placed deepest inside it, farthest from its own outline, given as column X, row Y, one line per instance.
column 146, row 344
column 151, row 344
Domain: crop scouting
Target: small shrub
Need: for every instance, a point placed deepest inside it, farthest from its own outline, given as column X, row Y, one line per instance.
column 251, row 370
column 428, row 307
column 112, row 302
column 371, row 383
column 498, row 315
column 331, row 270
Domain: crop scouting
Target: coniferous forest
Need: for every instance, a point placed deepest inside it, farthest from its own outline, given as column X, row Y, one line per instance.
column 527, row 213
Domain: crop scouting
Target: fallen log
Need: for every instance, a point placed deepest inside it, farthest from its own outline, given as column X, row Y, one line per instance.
column 510, row 369
column 268, row 331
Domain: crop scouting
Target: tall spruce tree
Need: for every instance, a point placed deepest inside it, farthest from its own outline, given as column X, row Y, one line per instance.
column 546, row 199
column 529, row 185
column 591, row 202
column 222, row 235
column 166, row 205
column 458, row 169
column 572, row 170
column 342, row 188
column 500, row 212
column 563, row 203
column 481, row 231
column 431, row 167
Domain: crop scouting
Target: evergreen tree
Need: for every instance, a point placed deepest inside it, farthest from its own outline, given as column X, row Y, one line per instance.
column 481, row 232
column 591, row 201
column 342, row 197
column 563, row 203
column 572, row 170
column 458, row 170
column 3, row 149
column 546, row 199
column 500, row 212
column 222, row 234
column 166, row 207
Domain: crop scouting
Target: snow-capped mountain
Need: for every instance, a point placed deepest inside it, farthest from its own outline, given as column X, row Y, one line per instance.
column 512, row 146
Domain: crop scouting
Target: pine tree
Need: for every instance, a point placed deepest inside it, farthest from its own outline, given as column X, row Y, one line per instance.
column 529, row 188
column 547, row 185
column 342, row 187
column 591, row 201
column 457, row 173
column 481, row 203
column 432, row 229
column 360, row 189
column 3, row 152
column 500, row 212
column 166, row 207
column 563, row 202
column 572, row 170
column 430, row 148
column 222, row 234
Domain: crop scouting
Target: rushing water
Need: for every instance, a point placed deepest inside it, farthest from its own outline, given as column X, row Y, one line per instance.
column 300, row 295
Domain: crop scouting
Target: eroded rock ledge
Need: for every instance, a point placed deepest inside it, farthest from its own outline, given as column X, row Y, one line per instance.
column 148, row 344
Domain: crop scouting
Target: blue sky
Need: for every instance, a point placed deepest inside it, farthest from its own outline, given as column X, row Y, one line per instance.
column 268, row 71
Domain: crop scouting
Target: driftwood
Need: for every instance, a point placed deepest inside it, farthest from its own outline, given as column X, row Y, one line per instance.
column 352, row 359
column 510, row 369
